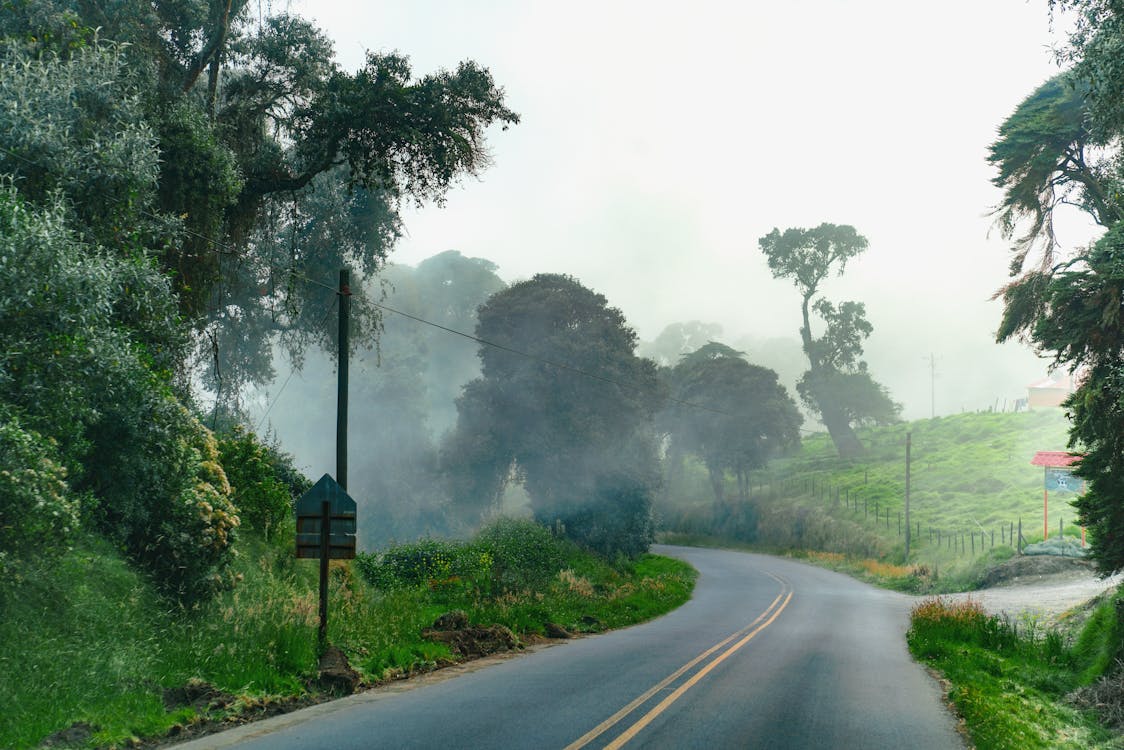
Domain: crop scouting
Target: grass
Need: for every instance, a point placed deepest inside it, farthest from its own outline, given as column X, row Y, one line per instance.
column 971, row 481
column 1012, row 689
column 88, row 641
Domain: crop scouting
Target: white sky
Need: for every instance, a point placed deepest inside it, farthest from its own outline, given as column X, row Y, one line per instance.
column 660, row 140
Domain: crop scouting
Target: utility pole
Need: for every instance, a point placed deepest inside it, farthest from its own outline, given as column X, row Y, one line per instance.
column 932, row 386
column 341, row 390
column 341, row 453
column 908, row 446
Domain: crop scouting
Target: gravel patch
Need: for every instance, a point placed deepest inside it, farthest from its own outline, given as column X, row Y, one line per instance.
column 1040, row 588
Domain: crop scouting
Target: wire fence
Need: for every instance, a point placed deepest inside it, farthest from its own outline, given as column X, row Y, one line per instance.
column 854, row 504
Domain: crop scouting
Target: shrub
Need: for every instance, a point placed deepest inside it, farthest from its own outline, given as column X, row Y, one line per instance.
column 433, row 562
column 524, row 554
column 38, row 514
column 261, row 492
column 166, row 500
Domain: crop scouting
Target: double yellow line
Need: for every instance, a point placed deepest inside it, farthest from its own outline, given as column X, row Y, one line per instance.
column 739, row 639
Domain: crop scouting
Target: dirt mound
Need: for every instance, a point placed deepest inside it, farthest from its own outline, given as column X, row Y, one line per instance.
column 475, row 641
column 335, row 673
column 1035, row 569
column 201, row 696
column 75, row 735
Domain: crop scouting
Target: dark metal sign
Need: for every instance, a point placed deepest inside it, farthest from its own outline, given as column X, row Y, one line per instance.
column 341, row 524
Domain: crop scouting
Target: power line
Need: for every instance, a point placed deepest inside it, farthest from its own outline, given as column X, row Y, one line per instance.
column 535, row 358
column 231, row 250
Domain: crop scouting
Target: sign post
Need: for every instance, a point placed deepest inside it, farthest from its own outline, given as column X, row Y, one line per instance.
column 1057, row 476
column 326, row 524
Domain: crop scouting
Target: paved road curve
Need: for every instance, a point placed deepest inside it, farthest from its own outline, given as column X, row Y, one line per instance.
column 769, row 653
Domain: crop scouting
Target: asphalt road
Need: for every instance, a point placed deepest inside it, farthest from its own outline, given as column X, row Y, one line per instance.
column 769, row 653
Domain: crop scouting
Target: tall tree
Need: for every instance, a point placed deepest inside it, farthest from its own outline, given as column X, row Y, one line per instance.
column 268, row 149
column 732, row 414
column 1062, row 146
column 808, row 257
column 573, row 418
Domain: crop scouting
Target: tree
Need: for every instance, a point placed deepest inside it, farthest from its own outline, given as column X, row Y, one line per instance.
column 1062, row 146
column 732, row 414
column 570, row 414
column 808, row 257
column 268, row 151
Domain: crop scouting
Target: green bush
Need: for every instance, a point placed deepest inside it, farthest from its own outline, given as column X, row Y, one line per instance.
column 429, row 562
column 38, row 514
column 260, row 476
column 524, row 554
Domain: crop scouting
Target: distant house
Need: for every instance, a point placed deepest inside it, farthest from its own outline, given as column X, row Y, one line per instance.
column 1050, row 392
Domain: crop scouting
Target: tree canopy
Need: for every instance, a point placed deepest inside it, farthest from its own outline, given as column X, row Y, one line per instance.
column 275, row 164
column 570, row 414
column 1061, row 146
column 732, row 414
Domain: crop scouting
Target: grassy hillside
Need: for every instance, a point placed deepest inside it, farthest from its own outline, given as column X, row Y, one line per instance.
column 971, row 481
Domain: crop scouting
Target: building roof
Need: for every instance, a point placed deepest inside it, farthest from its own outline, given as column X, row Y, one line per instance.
column 1061, row 383
column 1054, row 459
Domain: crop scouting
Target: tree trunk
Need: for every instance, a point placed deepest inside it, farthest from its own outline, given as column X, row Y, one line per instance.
column 847, row 443
column 717, row 483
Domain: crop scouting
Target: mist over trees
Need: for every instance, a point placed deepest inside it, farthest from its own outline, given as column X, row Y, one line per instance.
column 733, row 415
column 837, row 386
column 564, row 406
column 402, row 397
column 1062, row 147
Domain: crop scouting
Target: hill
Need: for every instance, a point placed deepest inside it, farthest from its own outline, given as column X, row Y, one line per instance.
column 972, row 484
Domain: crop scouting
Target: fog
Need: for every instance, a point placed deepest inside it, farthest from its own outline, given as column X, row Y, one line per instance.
column 659, row 141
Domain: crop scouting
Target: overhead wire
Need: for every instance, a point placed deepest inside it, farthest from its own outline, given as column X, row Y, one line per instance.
column 533, row 357
column 230, row 250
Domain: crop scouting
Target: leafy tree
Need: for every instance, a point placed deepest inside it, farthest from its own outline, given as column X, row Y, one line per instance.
column 1047, row 156
column 270, row 155
column 572, row 419
column 836, row 386
column 1062, row 145
column 732, row 414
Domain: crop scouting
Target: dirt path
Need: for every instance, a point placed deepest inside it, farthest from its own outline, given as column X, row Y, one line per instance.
column 1040, row 588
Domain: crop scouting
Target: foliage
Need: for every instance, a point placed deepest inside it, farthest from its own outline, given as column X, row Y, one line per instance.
column 262, row 485
column 678, row 339
column 734, row 415
column 89, row 347
column 1009, row 687
column 72, row 130
column 564, row 402
column 271, row 154
column 836, row 386
column 1062, row 145
column 38, row 512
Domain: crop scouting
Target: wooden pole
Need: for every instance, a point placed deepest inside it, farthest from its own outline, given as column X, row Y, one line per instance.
column 908, row 448
column 341, row 450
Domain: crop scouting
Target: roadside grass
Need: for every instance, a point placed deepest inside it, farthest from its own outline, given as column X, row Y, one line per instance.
column 1013, row 689
column 88, row 643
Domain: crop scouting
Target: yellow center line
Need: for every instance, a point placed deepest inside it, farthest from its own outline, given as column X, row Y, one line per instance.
column 647, row 719
column 604, row 726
